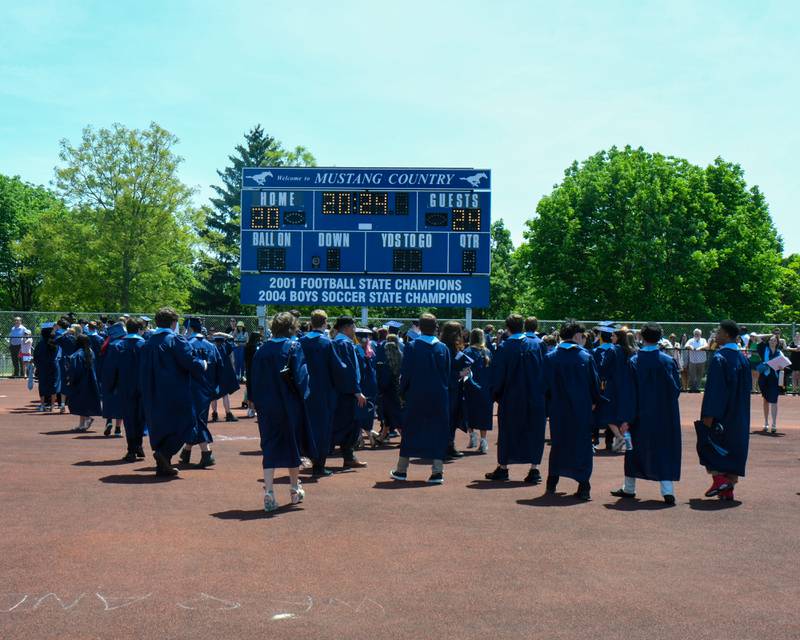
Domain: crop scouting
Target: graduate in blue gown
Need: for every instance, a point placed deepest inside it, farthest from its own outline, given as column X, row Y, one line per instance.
column 125, row 383
column 365, row 350
column 768, row 381
column 228, row 381
column 66, row 340
column 723, row 433
column 655, row 424
column 168, row 371
column 112, row 407
column 324, row 369
column 452, row 336
column 615, row 385
column 388, row 377
column 478, row 399
column 518, row 388
column 424, row 385
column 204, row 390
column 96, row 341
column 279, row 389
column 350, row 395
column 47, row 360
column 573, row 390
column 81, row 388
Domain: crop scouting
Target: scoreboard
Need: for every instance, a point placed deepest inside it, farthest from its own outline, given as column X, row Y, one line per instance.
column 365, row 237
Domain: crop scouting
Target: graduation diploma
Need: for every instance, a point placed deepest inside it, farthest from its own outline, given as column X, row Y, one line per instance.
column 779, row 362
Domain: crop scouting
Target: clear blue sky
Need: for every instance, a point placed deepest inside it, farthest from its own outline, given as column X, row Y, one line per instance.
column 523, row 88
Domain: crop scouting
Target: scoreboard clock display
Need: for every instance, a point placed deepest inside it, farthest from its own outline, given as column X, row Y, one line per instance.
column 366, row 237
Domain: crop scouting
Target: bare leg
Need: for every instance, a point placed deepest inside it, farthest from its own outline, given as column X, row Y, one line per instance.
column 205, row 446
column 269, row 474
column 294, row 476
column 766, row 411
column 774, row 410
column 214, row 406
column 226, row 403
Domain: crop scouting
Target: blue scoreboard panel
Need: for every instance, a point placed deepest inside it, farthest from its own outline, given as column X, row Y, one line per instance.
column 365, row 237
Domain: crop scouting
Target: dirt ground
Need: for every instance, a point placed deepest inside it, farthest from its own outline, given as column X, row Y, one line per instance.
column 92, row 547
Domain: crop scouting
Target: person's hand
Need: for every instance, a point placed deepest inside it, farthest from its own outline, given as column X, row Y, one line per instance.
column 361, row 399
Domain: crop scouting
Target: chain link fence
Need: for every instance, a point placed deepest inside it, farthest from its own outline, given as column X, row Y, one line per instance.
column 681, row 330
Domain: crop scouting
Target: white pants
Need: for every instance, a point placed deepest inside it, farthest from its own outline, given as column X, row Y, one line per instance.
column 666, row 486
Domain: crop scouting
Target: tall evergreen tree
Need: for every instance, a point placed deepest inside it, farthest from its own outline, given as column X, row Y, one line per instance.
column 218, row 291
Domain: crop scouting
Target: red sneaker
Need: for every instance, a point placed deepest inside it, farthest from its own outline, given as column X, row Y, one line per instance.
column 721, row 483
column 727, row 494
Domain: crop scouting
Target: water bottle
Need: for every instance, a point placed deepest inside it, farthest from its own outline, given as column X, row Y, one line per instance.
column 628, row 441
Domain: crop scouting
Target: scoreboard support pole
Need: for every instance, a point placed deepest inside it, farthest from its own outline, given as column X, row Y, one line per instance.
column 469, row 318
column 261, row 314
column 364, row 316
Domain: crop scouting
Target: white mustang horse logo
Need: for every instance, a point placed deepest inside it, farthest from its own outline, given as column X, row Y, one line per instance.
column 260, row 178
column 475, row 180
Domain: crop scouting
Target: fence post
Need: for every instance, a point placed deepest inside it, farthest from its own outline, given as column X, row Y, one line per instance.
column 469, row 318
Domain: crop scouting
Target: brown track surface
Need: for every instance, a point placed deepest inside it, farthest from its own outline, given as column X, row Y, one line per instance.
column 122, row 555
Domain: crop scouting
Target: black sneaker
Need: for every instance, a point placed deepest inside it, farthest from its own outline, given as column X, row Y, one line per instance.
column 621, row 493
column 398, row 475
column 436, row 478
column 118, row 432
column 214, row 417
column 229, row 417
column 498, row 475
column 206, row 460
column 584, row 491
column 533, row 477
column 321, row 472
column 130, row 456
column 140, row 452
column 164, row 467
column 186, row 456
column 452, row 452
column 552, row 483
column 669, row 499
column 109, row 427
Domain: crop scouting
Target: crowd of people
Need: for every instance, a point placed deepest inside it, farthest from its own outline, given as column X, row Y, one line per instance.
column 317, row 387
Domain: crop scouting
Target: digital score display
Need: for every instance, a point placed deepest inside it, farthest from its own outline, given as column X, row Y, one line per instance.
column 400, row 237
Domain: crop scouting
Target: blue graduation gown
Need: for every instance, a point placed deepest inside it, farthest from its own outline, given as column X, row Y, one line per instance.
column 767, row 376
column 96, row 342
column 424, row 382
column 518, row 387
column 324, row 367
column 478, row 401
column 727, row 400
column 455, row 394
column 204, row 389
column 168, row 369
column 615, row 385
column 285, row 434
column 656, row 428
column 83, row 392
column 69, row 345
column 365, row 416
column 125, row 384
column 391, row 409
column 228, row 382
column 47, row 361
column 112, row 405
column 573, row 387
column 345, row 428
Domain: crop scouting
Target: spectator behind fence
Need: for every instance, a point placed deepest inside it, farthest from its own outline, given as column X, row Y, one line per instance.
column 15, row 339
column 794, row 355
column 696, row 348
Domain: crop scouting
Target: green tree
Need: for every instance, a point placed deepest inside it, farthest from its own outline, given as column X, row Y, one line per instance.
column 638, row 235
column 127, row 243
column 218, row 287
column 502, row 285
column 789, row 290
column 22, row 206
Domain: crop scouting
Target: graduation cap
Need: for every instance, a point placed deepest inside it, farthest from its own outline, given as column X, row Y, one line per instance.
column 463, row 359
column 116, row 330
column 145, row 318
column 393, row 324
column 221, row 335
column 195, row 324
column 607, row 326
column 47, row 325
column 344, row 321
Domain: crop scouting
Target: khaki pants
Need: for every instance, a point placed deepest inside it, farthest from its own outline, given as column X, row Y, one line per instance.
column 696, row 371
column 402, row 465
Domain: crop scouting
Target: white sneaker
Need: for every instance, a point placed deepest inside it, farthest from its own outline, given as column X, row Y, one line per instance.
column 473, row 440
column 270, row 503
column 297, row 493
column 484, row 446
column 306, row 463
column 774, row 429
column 766, row 428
